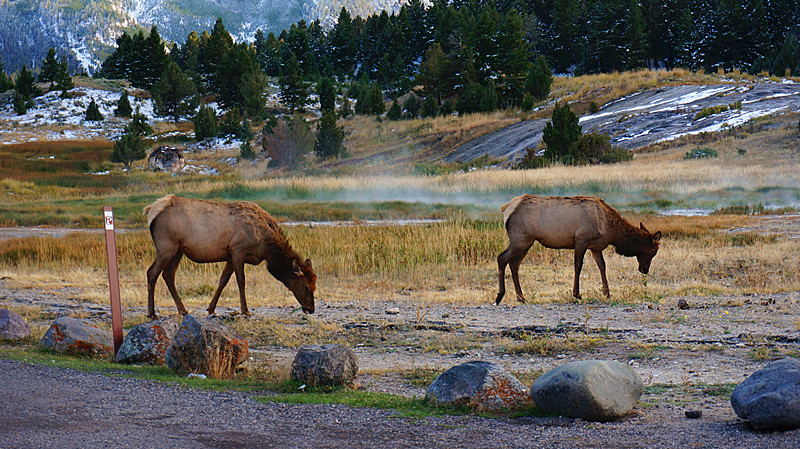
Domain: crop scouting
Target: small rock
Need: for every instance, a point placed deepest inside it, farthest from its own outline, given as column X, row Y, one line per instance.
column 770, row 397
column 481, row 386
column 148, row 342
column 13, row 326
column 683, row 305
column 78, row 337
column 329, row 364
column 594, row 390
column 393, row 311
column 693, row 414
column 207, row 347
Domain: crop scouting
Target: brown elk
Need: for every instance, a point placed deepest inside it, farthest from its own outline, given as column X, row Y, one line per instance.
column 579, row 223
column 237, row 233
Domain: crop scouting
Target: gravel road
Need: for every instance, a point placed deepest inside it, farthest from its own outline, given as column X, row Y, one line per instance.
column 44, row 407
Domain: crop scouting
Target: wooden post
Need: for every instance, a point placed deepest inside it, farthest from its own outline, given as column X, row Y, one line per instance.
column 113, row 277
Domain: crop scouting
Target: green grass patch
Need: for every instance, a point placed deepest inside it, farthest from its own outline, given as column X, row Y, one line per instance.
column 720, row 390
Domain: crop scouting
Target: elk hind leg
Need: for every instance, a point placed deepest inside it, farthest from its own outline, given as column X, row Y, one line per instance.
column 223, row 281
column 238, row 268
column 169, row 278
column 580, row 252
column 161, row 261
column 512, row 256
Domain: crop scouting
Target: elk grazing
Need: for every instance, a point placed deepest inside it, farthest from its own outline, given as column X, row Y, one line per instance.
column 237, row 233
column 579, row 223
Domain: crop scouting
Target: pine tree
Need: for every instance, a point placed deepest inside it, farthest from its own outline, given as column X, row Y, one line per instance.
column 345, row 110
column 123, row 106
column 294, row 91
column 327, row 94
column 561, row 132
column 5, row 82
column 253, row 88
column 130, row 147
column 512, row 58
column 48, row 72
column 330, row 138
column 93, row 113
column 25, row 84
column 394, row 112
column 213, row 53
column 429, row 107
column 138, row 125
column 539, row 79
column 63, row 78
column 433, row 72
column 411, row 106
column 343, row 44
column 175, row 94
column 154, row 59
column 205, row 123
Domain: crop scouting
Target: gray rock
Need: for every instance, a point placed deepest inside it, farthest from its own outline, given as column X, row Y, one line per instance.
column 166, row 159
column 481, row 386
column 770, row 397
column 594, row 390
column 206, row 346
column 148, row 342
column 329, row 365
column 79, row 337
column 13, row 326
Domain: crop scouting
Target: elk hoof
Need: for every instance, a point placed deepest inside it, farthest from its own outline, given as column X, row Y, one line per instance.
column 521, row 299
column 499, row 298
column 152, row 316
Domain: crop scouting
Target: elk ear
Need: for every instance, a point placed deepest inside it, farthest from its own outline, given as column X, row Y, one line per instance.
column 657, row 236
column 641, row 226
column 296, row 267
column 308, row 262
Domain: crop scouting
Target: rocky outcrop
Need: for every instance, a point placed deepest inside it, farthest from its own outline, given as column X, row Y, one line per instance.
column 78, row 337
column 166, row 159
column 594, row 390
column 481, row 386
column 148, row 342
column 329, row 365
column 206, row 346
column 13, row 326
column 770, row 397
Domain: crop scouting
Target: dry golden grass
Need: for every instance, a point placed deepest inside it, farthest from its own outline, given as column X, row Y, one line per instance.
column 445, row 263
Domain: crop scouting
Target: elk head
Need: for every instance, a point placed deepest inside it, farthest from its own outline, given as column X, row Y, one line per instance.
column 647, row 250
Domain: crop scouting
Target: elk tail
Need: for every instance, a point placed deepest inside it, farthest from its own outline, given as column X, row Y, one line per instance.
column 510, row 207
column 156, row 208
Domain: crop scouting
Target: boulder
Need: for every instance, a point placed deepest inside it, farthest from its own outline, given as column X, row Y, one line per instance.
column 13, row 326
column 166, row 159
column 330, row 365
column 148, row 342
column 78, row 337
column 206, row 346
column 594, row 390
column 481, row 386
column 770, row 397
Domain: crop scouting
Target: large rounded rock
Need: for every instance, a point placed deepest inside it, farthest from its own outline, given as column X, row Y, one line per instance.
column 78, row 337
column 481, row 386
column 594, row 390
column 148, row 342
column 13, row 326
column 329, row 365
column 207, row 347
column 770, row 398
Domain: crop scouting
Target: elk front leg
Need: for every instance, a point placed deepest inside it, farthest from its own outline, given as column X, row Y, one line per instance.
column 580, row 251
column 227, row 271
column 238, row 268
column 601, row 264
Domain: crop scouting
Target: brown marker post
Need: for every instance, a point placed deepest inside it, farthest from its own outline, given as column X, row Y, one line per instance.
column 113, row 277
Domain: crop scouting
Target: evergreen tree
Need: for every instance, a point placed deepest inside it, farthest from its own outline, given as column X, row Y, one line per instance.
column 565, row 33
column 411, row 106
column 5, row 82
column 153, row 60
column 787, row 60
column 205, row 123
column 25, row 84
column 138, row 125
column 129, row 148
column 394, row 112
column 433, row 72
column 253, row 93
column 344, row 109
column 21, row 104
column 429, row 107
column 539, row 79
column 48, row 72
column 93, row 113
column 512, row 58
column 327, row 94
column 237, row 64
column 294, row 91
column 175, row 94
column 561, row 132
column 63, row 78
column 124, row 108
column 343, row 44
column 330, row 138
